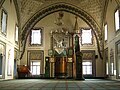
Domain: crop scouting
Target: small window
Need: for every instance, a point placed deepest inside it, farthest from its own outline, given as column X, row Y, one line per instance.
column 4, row 22
column 117, row 20
column 86, row 36
column 16, row 33
column 106, row 32
column 36, row 37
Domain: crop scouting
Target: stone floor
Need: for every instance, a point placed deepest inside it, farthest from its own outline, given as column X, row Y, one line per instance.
column 58, row 84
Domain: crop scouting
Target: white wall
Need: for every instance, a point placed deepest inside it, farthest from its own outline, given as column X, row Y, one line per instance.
column 113, row 37
column 9, row 40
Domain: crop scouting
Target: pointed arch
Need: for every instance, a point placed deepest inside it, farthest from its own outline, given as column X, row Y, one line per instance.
column 54, row 8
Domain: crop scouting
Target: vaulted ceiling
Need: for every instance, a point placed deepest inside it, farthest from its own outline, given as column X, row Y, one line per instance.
column 32, row 11
column 95, row 8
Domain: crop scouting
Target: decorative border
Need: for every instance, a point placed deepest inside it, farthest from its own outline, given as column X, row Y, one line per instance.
column 1, row 3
